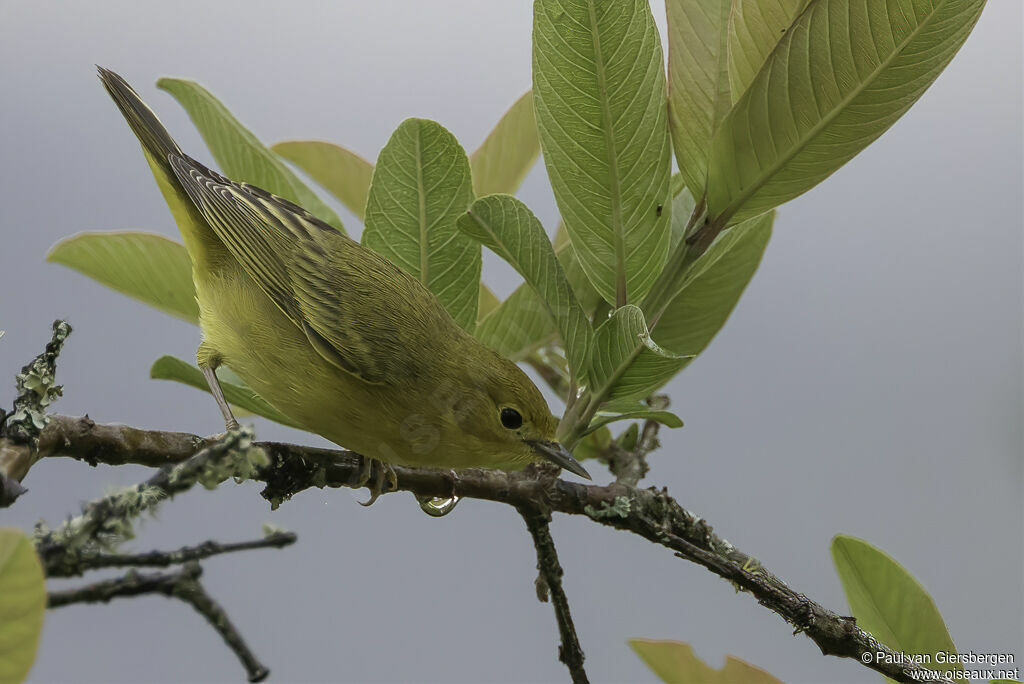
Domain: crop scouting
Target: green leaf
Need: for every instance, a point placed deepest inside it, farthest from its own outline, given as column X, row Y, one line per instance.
column 146, row 266
column 599, row 91
column 487, row 302
column 341, row 172
column 22, row 604
column 421, row 185
column 589, row 298
column 507, row 227
column 698, row 83
column 888, row 602
column 708, row 293
column 666, row 418
column 844, row 73
column 675, row 663
column 618, row 343
column 501, row 163
column 520, row 325
column 712, row 286
column 593, row 444
column 755, row 28
column 682, row 208
column 236, row 391
column 241, row 156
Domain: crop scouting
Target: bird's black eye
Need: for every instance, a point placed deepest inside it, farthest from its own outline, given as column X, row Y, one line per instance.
column 511, row 419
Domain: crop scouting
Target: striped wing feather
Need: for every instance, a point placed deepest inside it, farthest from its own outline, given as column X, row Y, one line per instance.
column 305, row 267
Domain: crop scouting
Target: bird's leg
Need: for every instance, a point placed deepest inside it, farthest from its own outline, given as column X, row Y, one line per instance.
column 377, row 476
column 218, row 394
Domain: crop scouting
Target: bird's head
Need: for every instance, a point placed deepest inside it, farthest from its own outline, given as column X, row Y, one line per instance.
column 503, row 414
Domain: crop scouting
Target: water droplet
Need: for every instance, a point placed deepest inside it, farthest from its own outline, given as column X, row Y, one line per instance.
column 438, row 506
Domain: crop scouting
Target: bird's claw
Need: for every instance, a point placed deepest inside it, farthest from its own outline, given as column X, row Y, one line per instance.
column 378, row 477
column 229, row 426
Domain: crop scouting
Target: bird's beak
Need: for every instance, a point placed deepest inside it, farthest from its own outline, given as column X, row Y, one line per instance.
column 560, row 456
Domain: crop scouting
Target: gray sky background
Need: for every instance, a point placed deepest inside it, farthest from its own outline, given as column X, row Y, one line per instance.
column 869, row 383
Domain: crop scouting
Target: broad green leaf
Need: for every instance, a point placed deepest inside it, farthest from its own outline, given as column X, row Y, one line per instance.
column 22, row 604
column 519, row 325
column 666, row 418
column 698, row 83
column 888, row 602
column 522, row 323
column 341, row 172
column 501, row 163
column 599, row 92
column 675, row 663
column 712, row 286
column 844, row 73
column 588, row 297
column 507, row 227
column 682, row 208
column 487, row 302
column 235, row 391
column 755, row 28
column 241, row 156
column 618, row 343
column 421, row 185
column 146, row 266
column 677, row 184
column 707, row 295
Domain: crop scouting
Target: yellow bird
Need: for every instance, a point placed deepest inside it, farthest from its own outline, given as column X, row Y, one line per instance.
column 332, row 334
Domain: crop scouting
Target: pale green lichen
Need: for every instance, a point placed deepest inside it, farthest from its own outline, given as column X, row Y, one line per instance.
column 103, row 525
column 108, row 522
column 37, row 389
column 234, row 456
column 618, row 509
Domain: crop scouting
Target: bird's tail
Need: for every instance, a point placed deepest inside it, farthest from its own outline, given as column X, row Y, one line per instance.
column 155, row 139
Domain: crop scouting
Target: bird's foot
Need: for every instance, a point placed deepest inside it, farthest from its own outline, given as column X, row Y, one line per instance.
column 376, row 476
column 229, row 427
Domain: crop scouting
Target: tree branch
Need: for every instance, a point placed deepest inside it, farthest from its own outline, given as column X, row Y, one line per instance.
column 649, row 513
column 549, row 583
column 163, row 559
column 106, row 522
column 181, row 584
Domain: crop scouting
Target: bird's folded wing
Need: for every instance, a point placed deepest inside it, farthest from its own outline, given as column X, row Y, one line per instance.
column 279, row 245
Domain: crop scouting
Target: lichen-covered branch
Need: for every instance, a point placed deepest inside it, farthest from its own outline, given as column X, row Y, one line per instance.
column 649, row 513
column 182, row 584
column 36, row 389
column 549, row 584
column 108, row 521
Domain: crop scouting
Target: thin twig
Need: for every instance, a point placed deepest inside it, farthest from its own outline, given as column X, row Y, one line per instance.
column 167, row 558
column 629, row 466
column 128, row 585
column 649, row 513
column 549, row 583
column 181, row 584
